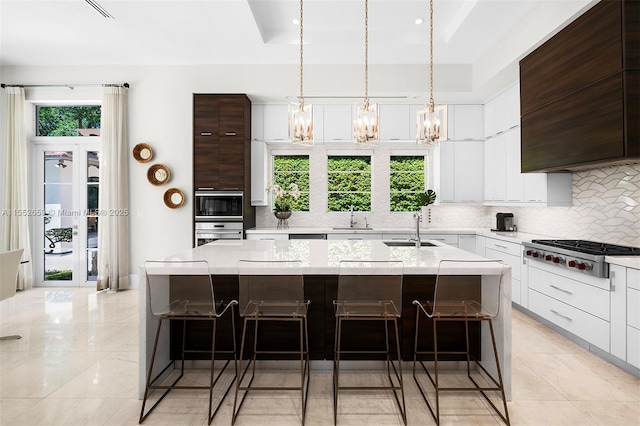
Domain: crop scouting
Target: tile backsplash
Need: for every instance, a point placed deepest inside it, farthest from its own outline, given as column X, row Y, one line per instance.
column 606, row 208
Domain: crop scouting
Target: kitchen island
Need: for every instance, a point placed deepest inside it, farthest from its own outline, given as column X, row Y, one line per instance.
column 320, row 263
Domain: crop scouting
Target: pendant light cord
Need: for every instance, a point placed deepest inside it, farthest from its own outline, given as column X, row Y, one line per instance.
column 366, row 54
column 301, row 98
column 431, row 102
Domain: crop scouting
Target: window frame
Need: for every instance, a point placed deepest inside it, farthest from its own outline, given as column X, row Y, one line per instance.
column 290, row 153
column 425, row 175
column 368, row 155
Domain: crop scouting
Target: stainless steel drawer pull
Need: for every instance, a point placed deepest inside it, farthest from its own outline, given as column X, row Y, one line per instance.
column 502, row 247
column 205, row 134
column 560, row 289
column 230, row 134
column 560, row 315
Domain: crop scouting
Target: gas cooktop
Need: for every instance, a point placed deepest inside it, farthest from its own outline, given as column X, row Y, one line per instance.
column 591, row 247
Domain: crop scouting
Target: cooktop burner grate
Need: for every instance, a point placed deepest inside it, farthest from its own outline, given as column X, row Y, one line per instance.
column 591, row 247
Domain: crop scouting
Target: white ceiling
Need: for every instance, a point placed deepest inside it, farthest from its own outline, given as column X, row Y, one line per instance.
column 164, row 32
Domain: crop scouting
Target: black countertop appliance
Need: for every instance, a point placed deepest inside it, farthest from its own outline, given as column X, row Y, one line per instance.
column 504, row 222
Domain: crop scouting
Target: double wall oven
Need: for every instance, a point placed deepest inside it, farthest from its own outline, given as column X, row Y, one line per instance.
column 219, row 215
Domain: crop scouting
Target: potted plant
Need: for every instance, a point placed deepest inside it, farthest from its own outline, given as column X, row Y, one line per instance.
column 425, row 199
column 283, row 201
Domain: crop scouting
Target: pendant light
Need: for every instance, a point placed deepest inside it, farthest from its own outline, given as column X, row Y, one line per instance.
column 301, row 115
column 431, row 121
column 365, row 125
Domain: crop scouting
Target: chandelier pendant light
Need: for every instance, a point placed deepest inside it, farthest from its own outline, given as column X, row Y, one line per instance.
column 431, row 121
column 301, row 115
column 365, row 125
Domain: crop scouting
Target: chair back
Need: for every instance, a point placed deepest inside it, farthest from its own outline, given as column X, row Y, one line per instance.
column 468, row 288
column 9, row 264
column 180, row 288
column 270, row 281
column 369, row 280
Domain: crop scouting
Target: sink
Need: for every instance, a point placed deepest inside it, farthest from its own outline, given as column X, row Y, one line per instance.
column 346, row 228
column 408, row 244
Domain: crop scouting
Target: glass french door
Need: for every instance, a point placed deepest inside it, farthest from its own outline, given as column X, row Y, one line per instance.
column 65, row 218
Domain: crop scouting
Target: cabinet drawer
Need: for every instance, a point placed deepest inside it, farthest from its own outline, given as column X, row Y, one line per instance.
column 397, row 236
column 633, row 346
column 586, row 326
column 504, row 246
column 354, row 236
column 450, row 239
column 633, row 308
column 583, row 296
column 513, row 261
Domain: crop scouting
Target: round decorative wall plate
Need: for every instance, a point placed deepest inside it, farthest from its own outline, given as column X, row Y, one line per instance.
column 143, row 153
column 173, row 198
column 158, row 174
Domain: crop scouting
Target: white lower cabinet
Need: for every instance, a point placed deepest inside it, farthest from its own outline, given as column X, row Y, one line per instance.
column 510, row 254
column 582, row 324
column 619, row 309
column 275, row 236
column 449, row 239
column 354, row 236
column 633, row 317
column 467, row 243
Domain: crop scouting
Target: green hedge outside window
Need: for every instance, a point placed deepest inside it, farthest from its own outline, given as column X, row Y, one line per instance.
column 349, row 183
column 288, row 169
column 406, row 181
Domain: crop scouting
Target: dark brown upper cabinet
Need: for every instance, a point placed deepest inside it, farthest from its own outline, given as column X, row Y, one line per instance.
column 579, row 93
column 221, row 142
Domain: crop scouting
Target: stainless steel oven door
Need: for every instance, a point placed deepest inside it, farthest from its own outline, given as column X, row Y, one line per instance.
column 207, row 232
column 219, row 205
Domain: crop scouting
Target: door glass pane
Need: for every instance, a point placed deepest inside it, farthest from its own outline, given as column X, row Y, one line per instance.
column 58, row 224
column 58, row 166
column 93, row 186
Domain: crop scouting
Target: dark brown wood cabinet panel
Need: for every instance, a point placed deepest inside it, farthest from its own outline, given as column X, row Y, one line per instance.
column 631, row 31
column 632, row 116
column 582, row 128
column 231, row 163
column 587, row 50
column 233, row 115
column 205, row 115
column 206, row 162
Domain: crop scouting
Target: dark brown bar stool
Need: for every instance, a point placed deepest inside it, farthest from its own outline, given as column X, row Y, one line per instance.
column 466, row 291
column 370, row 291
column 272, row 291
column 183, row 291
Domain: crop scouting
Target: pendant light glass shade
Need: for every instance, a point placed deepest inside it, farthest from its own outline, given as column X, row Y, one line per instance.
column 431, row 122
column 366, row 124
column 301, row 115
column 301, row 123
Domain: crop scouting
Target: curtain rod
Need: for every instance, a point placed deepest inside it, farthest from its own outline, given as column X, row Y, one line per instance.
column 70, row 86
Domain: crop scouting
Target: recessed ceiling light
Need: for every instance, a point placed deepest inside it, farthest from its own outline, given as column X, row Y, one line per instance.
column 295, row 21
column 418, row 21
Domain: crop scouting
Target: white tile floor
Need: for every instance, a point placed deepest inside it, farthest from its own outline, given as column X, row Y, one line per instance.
column 77, row 364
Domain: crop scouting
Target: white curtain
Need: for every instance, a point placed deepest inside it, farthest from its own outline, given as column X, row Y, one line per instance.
column 15, row 233
column 113, row 199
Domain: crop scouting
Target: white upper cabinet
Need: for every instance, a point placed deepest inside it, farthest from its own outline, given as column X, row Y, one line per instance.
column 338, row 123
column 395, row 122
column 461, row 172
column 259, row 171
column 502, row 112
column 513, row 177
column 466, row 122
column 275, row 122
column 257, row 122
column 495, row 169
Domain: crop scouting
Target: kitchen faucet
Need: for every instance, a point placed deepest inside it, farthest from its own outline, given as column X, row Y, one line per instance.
column 352, row 221
column 418, row 218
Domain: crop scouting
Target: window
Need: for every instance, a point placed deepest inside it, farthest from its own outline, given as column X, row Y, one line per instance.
column 406, row 180
column 68, row 120
column 288, row 169
column 349, row 183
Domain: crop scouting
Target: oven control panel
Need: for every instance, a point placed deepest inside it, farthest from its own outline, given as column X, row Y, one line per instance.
column 569, row 262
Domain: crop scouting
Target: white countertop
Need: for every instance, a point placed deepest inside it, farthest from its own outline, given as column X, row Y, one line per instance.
column 320, row 257
column 516, row 237
column 627, row 261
